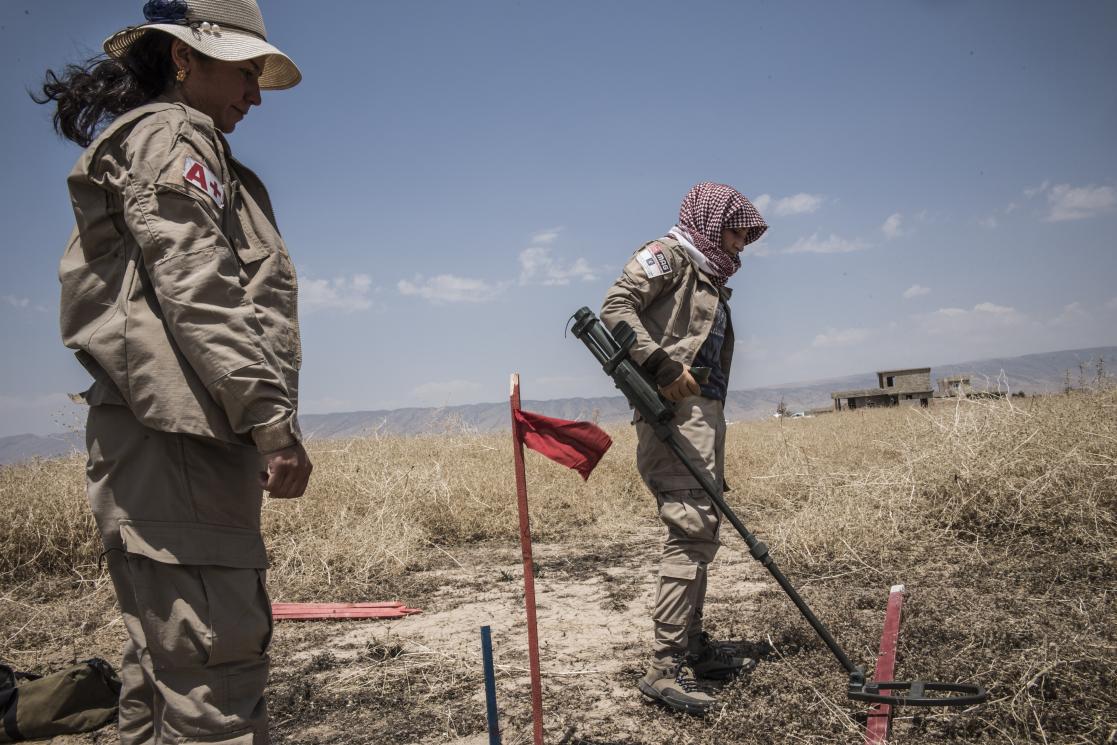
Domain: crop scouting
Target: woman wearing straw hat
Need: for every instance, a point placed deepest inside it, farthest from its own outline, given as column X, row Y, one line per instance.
column 179, row 298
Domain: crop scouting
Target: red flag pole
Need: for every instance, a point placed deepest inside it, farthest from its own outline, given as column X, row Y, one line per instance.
column 529, row 578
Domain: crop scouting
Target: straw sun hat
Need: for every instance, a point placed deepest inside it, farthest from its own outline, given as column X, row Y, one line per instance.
column 229, row 30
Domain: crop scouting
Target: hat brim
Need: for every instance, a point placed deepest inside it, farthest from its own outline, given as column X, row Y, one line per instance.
column 229, row 45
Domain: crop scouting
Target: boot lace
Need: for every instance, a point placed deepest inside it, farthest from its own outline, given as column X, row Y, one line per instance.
column 685, row 679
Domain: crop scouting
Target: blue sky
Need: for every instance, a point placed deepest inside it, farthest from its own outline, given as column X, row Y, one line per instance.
column 455, row 179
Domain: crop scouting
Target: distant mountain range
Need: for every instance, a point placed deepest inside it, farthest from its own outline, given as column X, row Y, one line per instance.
column 18, row 448
column 1031, row 373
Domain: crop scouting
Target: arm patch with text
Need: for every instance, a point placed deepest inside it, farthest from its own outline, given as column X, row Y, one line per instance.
column 653, row 260
column 199, row 175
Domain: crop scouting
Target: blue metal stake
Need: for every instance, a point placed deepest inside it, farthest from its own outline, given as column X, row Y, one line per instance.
column 490, row 684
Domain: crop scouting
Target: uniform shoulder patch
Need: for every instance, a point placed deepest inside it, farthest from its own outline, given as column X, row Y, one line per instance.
column 653, row 259
column 198, row 174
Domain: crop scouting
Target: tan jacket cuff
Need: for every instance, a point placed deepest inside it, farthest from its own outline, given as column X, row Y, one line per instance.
column 278, row 435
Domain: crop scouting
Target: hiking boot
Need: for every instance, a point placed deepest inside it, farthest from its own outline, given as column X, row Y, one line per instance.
column 677, row 687
column 713, row 661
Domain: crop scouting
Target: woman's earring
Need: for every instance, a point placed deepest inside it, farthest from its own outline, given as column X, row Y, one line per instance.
column 180, row 76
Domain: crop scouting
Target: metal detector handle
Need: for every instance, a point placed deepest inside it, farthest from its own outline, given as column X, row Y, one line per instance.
column 629, row 377
column 625, row 337
column 969, row 694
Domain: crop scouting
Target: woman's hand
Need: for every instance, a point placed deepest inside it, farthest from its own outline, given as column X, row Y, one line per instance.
column 683, row 386
column 288, row 472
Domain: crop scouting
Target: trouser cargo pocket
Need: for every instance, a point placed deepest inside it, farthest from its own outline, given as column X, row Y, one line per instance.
column 674, row 600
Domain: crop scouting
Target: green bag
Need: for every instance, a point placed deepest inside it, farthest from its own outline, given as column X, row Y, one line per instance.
column 81, row 698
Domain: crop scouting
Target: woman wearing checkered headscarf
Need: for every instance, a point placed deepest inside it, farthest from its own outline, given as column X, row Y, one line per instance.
column 707, row 210
column 672, row 293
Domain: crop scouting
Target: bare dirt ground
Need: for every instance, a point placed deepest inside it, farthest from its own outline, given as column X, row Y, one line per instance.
column 419, row 679
column 593, row 606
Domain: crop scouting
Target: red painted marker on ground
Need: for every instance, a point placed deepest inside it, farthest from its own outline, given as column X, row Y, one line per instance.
column 879, row 721
column 327, row 611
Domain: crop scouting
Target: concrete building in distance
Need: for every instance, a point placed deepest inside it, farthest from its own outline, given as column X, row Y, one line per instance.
column 909, row 387
column 959, row 386
column 955, row 385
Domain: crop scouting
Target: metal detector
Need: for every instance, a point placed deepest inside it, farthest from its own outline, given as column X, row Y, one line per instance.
column 611, row 350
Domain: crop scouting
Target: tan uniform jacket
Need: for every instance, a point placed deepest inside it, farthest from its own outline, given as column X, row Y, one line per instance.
column 673, row 310
column 180, row 300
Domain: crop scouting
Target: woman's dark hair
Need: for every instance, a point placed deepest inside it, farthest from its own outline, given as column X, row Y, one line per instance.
column 90, row 96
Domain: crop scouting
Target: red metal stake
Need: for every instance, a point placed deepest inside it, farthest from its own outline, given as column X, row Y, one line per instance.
column 879, row 723
column 529, row 578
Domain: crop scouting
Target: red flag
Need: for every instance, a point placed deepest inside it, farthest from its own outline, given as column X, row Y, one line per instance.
column 577, row 445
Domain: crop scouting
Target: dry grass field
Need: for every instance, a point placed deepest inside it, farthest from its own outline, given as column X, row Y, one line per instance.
column 1000, row 517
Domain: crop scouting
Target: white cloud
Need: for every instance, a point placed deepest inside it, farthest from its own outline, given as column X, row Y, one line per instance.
column 797, row 204
column 1000, row 310
column 989, row 329
column 1078, row 202
column 1037, row 190
column 840, row 337
column 891, row 227
column 916, row 291
column 761, row 247
column 751, row 348
column 1072, row 314
column 537, row 266
column 1012, row 207
column 831, row 245
column 447, row 392
column 346, row 294
column 447, row 288
column 546, row 236
column 989, row 222
column 22, row 303
column 985, row 320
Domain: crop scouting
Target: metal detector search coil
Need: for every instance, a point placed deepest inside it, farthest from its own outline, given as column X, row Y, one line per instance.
column 611, row 350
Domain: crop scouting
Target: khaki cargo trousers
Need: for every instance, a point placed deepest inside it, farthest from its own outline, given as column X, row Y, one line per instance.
column 179, row 517
column 691, row 518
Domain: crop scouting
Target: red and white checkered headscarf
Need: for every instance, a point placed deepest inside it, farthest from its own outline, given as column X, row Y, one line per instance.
column 709, row 208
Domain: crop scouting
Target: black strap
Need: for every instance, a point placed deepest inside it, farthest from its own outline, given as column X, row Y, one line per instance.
column 9, row 700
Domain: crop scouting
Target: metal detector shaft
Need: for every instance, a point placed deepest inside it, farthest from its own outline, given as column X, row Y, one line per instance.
column 758, row 549
column 611, row 349
column 959, row 694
